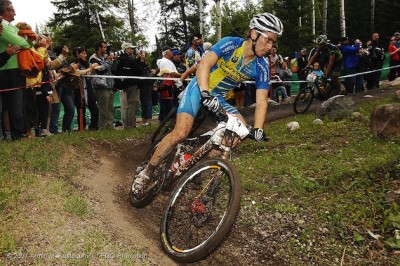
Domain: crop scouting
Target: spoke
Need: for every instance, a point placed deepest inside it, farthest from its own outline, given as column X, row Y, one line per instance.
column 189, row 227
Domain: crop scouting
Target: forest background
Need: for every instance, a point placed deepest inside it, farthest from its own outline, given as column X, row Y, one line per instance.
column 83, row 22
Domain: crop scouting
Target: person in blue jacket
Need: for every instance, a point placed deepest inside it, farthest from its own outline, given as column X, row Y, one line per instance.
column 350, row 63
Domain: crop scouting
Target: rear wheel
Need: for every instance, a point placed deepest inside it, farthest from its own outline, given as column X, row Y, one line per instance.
column 201, row 210
column 158, row 178
column 168, row 124
column 140, row 202
column 303, row 100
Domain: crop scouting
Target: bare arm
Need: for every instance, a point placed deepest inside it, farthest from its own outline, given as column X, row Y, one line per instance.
column 260, row 114
column 204, row 69
column 330, row 65
column 188, row 72
column 312, row 59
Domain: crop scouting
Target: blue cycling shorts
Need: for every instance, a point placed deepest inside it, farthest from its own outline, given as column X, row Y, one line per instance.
column 191, row 100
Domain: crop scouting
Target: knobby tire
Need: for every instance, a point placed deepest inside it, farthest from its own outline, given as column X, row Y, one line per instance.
column 200, row 211
column 303, row 100
column 151, row 195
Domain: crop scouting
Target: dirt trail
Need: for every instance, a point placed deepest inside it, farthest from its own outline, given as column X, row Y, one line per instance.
column 107, row 190
column 107, row 185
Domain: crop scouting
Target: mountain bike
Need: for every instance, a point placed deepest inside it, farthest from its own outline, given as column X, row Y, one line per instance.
column 318, row 88
column 168, row 124
column 205, row 201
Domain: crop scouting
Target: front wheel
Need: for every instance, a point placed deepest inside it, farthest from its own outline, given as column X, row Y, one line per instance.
column 200, row 211
column 303, row 100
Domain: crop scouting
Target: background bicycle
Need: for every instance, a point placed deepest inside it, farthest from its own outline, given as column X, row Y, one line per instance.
column 319, row 88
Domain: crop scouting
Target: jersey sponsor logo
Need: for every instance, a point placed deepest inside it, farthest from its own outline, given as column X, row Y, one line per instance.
column 232, row 72
column 228, row 47
column 264, row 72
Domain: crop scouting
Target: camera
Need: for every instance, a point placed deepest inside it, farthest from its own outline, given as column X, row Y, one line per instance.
column 115, row 54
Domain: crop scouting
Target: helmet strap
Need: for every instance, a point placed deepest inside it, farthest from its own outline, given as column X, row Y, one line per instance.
column 253, row 43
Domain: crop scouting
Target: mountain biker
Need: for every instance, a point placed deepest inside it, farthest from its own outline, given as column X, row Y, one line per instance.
column 228, row 63
column 329, row 58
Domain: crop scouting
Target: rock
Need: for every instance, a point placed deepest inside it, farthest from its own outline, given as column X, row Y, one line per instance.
column 397, row 93
column 337, row 108
column 318, row 122
column 292, row 126
column 384, row 121
column 395, row 82
column 278, row 215
column 359, row 117
column 272, row 102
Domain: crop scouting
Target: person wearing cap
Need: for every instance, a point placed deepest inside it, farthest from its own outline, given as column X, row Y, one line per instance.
column 228, row 63
column 329, row 58
column 129, row 65
column 301, row 63
column 166, row 62
column 181, row 68
column 177, row 60
column 351, row 63
column 165, row 89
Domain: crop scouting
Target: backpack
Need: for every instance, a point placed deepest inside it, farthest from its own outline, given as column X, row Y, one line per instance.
column 30, row 63
column 69, row 80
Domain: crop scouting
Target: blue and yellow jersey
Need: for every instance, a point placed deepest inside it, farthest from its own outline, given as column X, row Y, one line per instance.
column 229, row 71
column 226, row 75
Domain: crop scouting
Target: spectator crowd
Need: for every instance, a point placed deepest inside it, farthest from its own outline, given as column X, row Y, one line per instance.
column 36, row 78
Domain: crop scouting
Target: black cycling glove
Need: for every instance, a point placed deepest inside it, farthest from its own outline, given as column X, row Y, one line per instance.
column 258, row 134
column 209, row 101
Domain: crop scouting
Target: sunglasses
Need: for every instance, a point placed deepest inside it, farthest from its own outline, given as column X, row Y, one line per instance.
column 274, row 43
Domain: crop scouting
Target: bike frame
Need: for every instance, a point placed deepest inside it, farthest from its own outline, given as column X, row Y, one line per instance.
column 218, row 138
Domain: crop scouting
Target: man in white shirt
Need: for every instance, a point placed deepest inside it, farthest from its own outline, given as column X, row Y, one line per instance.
column 166, row 62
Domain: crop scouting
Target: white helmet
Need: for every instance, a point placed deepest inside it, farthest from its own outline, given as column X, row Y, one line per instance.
column 266, row 22
column 321, row 39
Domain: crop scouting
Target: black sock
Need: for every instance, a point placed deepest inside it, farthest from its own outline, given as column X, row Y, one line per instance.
column 150, row 169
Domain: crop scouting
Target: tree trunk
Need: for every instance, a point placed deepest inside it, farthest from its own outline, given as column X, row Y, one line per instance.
column 131, row 14
column 219, row 20
column 342, row 19
column 313, row 17
column 372, row 16
column 325, row 16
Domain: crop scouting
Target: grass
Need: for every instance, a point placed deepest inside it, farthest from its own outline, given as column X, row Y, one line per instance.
column 333, row 176
column 316, row 191
column 40, row 207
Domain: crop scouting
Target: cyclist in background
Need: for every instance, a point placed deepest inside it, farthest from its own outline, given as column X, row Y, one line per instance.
column 329, row 58
column 228, row 63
